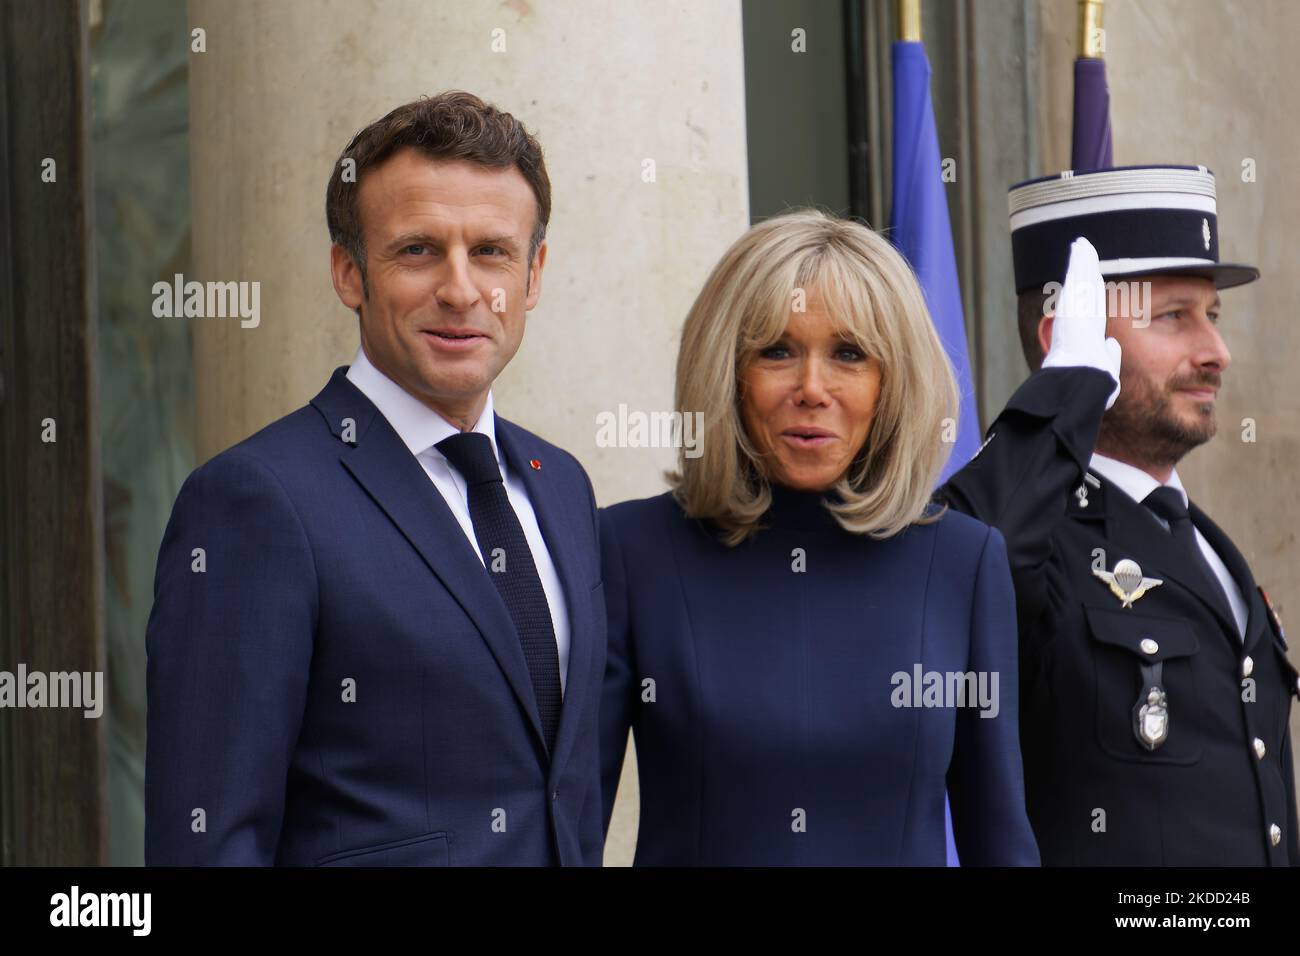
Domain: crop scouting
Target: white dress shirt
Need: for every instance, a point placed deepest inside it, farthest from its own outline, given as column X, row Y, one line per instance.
column 1137, row 484
column 420, row 428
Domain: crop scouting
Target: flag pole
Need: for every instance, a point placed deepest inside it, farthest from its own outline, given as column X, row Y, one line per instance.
column 1090, row 137
column 909, row 21
column 1091, row 44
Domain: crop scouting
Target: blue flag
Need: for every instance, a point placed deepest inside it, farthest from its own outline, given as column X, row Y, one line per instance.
column 920, row 229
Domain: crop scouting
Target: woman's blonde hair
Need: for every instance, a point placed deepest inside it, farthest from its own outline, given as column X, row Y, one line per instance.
column 870, row 292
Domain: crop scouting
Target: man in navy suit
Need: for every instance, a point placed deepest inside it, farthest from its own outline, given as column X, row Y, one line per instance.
column 378, row 631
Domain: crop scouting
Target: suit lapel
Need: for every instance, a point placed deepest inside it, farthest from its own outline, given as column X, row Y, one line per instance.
column 1236, row 564
column 398, row 483
column 1132, row 531
column 555, row 520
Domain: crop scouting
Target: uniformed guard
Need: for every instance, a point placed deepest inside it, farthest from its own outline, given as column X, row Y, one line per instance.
column 1155, row 684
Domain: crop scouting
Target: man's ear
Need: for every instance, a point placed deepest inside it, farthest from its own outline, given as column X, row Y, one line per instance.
column 346, row 276
column 1045, row 333
column 535, row 278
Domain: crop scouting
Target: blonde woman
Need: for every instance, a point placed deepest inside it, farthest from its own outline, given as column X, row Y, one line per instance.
column 810, row 653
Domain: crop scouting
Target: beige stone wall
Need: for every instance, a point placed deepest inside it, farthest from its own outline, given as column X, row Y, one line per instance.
column 605, row 86
column 1214, row 82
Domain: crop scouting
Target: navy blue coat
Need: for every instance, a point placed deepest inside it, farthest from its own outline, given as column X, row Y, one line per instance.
column 762, row 699
column 332, row 565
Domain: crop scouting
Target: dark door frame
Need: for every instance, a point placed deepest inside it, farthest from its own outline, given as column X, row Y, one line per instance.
column 53, row 761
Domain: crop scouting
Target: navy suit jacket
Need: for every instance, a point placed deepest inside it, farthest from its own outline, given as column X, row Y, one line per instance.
column 341, row 683
column 761, row 700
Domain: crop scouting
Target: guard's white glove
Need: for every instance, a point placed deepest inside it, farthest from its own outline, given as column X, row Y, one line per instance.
column 1079, row 328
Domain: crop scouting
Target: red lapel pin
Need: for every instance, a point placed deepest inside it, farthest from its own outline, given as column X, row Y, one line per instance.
column 537, row 465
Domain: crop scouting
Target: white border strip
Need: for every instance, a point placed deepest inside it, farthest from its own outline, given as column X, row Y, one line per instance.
column 1155, row 262
column 1109, row 183
column 1095, row 204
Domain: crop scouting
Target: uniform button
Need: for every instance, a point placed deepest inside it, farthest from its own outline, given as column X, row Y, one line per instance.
column 1247, row 666
column 1149, row 646
column 1260, row 749
column 1274, row 834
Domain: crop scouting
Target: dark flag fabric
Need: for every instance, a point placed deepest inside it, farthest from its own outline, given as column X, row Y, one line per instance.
column 1090, row 148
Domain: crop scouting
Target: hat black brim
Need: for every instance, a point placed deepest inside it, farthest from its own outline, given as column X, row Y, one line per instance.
column 1224, row 275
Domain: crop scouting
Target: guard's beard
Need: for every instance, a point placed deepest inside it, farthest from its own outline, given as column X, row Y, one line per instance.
column 1143, row 429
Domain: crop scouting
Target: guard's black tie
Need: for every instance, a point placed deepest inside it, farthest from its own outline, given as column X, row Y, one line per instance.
column 1168, row 503
column 510, row 566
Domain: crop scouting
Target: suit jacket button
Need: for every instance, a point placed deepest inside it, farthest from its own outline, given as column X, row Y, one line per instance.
column 1149, row 646
column 1274, row 834
column 1260, row 750
column 1247, row 666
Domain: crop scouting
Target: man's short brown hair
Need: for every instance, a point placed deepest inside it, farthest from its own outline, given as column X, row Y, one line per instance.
column 451, row 126
column 1029, row 309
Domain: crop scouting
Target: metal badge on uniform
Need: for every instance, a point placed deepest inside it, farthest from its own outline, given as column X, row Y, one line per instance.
column 1081, row 493
column 1151, row 712
column 1126, row 581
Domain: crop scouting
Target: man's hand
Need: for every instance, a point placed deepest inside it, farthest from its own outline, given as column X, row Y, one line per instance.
column 1079, row 327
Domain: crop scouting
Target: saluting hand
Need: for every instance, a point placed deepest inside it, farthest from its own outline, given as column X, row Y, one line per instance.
column 1079, row 327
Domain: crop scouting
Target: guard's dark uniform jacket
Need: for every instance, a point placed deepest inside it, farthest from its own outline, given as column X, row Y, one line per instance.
column 1219, row 789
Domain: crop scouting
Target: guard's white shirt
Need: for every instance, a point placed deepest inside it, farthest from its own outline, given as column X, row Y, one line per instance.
column 1137, row 484
column 420, row 428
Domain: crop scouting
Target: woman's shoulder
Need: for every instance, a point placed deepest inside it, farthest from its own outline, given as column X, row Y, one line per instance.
column 641, row 512
column 640, row 533
column 955, row 534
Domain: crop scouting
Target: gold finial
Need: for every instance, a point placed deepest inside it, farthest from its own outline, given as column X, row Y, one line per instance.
column 1092, row 36
column 909, row 20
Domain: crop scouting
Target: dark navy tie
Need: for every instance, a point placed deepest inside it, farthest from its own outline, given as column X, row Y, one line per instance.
column 1168, row 503
column 510, row 565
